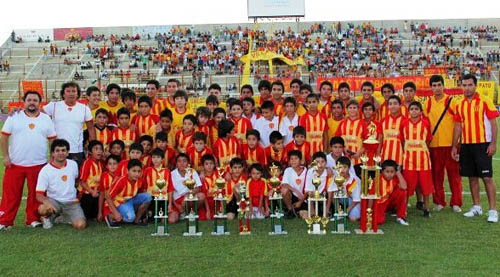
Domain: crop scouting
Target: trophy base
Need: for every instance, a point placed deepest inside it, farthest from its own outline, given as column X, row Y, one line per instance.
column 222, row 216
column 340, row 215
column 245, row 233
column 368, row 197
column 220, row 234
column 220, row 231
column 276, row 198
column 316, row 230
column 160, row 232
column 278, row 230
column 341, row 233
column 369, row 232
column 277, row 215
column 189, row 234
column 222, row 199
column 280, row 233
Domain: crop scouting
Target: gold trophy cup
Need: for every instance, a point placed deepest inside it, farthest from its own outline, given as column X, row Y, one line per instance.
column 274, row 181
column 160, row 184
column 220, row 182
column 190, row 182
column 316, row 180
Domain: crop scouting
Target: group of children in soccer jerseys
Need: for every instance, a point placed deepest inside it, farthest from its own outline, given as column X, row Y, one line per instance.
column 168, row 139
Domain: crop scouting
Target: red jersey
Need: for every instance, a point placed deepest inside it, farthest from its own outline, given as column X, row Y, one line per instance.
column 416, row 154
column 351, row 130
column 255, row 155
column 123, row 189
column 152, row 174
column 228, row 191
column 392, row 148
column 107, row 179
column 122, row 170
column 207, row 130
column 91, row 174
column 316, row 126
column 183, row 140
column 170, row 155
column 273, row 155
column 241, row 126
column 195, row 157
column 124, row 134
column 386, row 187
column 305, row 149
column 158, row 106
column 103, row 135
column 146, row 161
column 225, row 149
column 255, row 190
column 145, row 125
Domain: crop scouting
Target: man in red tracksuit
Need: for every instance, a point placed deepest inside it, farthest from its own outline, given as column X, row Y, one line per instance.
column 24, row 141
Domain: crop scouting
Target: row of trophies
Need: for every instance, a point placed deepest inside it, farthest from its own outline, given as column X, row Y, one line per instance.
column 316, row 220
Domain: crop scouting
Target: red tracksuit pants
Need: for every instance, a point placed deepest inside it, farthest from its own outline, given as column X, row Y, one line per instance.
column 441, row 160
column 12, row 193
column 396, row 200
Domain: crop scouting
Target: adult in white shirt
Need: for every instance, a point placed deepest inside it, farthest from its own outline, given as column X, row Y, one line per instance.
column 24, row 140
column 56, row 188
column 179, row 177
column 267, row 123
column 69, row 116
column 290, row 120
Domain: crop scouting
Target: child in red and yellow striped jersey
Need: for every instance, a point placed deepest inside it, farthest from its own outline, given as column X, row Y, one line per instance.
column 144, row 122
column 123, row 132
column 392, row 148
column 147, row 144
column 103, row 132
column 205, row 124
column 197, row 150
column 299, row 143
column 315, row 124
column 392, row 193
column 90, row 177
column 275, row 151
column 126, row 199
column 231, row 192
column 325, row 98
column 227, row 146
column 277, row 90
column 170, row 154
column 217, row 116
column 184, row 137
column 351, row 130
column 252, row 152
column 208, row 177
column 107, row 178
column 337, row 115
column 387, row 91
column 241, row 124
column 416, row 136
column 180, row 111
column 129, row 99
column 135, row 153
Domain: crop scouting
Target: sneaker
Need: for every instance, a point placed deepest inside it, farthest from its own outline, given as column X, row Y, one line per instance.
column 35, row 224
column 474, row 211
column 438, row 208
column 420, row 206
column 4, row 228
column 111, row 223
column 492, row 216
column 402, row 221
column 47, row 223
column 427, row 213
column 456, row 209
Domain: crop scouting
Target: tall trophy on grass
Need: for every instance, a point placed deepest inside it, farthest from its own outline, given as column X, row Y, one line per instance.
column 161, row 209
column 316, row 225
column 276, row 202
column 220, row 203
column 191, row 205
column 339, row 203
column 243, row 210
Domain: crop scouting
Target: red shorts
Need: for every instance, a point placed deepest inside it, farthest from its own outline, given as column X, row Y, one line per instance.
column 179, row 201
column 419, row 179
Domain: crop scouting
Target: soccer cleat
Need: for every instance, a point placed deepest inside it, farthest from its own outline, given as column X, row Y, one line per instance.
column 474, row 211
column 4, row 228
column 420, row 206
column 111, row 224
column 402, row 221
column 438, row 208
column 427, row 213
column 35, row 224
column 456, row 209
column 47, row 223
column 492, row 216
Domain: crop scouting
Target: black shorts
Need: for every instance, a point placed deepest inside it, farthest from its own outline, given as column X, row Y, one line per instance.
column 90, row 205
column 295, row 200
column 474, row 161
column 232, row 206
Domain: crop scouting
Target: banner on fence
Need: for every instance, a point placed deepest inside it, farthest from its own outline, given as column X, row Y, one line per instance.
column 69, row 33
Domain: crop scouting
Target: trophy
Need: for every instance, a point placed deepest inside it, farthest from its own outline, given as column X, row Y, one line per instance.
column 243, row 209
column 315, row 222
column 370, row 194
column 276, row 200
column 161, row 213
column 220, row 202
column 191, row 205
column 339, row 203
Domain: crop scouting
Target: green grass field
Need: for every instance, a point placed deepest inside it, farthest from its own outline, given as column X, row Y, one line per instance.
column 445, row 245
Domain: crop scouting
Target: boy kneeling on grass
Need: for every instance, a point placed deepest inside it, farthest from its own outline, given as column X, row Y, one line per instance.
column 126, row 200
column 56, row 190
